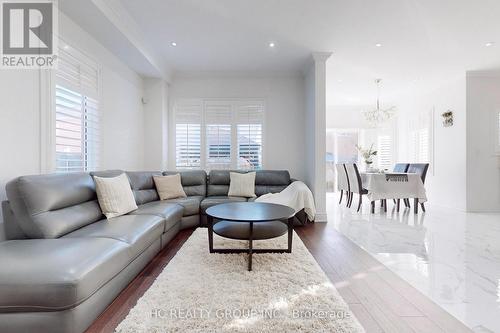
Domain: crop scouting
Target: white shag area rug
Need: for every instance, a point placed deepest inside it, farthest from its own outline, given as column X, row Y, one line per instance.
column 202, row 292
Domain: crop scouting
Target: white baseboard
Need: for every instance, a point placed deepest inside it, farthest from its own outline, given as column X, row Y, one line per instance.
column 321, row 217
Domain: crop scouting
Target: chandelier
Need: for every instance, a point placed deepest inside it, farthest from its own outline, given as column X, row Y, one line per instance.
column 378, row 116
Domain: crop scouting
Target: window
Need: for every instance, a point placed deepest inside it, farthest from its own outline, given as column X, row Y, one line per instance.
column 250, row 146
column 76, row 114
column 423, row 145
column 188, row 145
column 340, row 148
column 249, row 132
column 420, row 138
column 420, row 145
column 188, row 136
column 218, row 119
column 385, row 152
column 222, row 134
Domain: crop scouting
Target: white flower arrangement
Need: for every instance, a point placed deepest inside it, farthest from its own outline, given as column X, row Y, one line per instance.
column 367, row 154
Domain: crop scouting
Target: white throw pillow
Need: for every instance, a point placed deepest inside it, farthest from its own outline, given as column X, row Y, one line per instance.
column 242, row 185
column 115, row 195
column 169, row 187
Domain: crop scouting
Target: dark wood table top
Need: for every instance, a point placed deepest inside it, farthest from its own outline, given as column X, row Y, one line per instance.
column 250, row 211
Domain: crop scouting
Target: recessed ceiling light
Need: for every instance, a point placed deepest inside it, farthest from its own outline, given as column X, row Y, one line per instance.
column 271, row 44
column 66, row 47
column 173, row 44
column 339, row 81
column 378, row 45
column 489, row 44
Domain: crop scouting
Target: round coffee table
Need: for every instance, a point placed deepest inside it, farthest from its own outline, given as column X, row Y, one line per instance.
column 250, row 221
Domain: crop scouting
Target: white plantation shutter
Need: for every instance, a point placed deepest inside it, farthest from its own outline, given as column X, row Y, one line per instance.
column 250, row 118
column 420, row 145
column 188, row 117
column 78, row 73
column 413, row 145
column 385, row 152
column 76, row 113
column 219, row 134
column 424, row 142
column 218, row 120
column 420, row 139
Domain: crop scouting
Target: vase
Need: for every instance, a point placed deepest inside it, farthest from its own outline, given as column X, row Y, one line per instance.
column 368, row 167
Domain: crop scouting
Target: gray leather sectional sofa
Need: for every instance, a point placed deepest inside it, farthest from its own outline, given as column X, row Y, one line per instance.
column 64, row 263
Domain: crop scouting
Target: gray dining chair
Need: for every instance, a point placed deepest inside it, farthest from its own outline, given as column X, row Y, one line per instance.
column 355, row 184
column 401, row 167
column 342, row 181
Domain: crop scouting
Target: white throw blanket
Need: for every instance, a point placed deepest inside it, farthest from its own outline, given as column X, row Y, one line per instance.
column 297, row 196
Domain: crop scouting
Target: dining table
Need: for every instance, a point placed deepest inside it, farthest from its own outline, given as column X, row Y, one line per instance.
column 393, row 185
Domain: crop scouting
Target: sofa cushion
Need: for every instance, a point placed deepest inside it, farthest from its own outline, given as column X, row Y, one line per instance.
column 55, row 274
column 271, row 181
column 139, row 231
column 215, row 200
column 265, row 189
column 191, row 204
column 218, row 182
column 266, row 181
column 115, row 195
column 143, row 186
column 49, row 206
column 194, row 182
column 107, row 173
column 169, row 187
column 242, row 185
column 272, row 177
column 171, row 212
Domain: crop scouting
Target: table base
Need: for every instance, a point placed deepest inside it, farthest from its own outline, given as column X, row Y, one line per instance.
column 250, row 249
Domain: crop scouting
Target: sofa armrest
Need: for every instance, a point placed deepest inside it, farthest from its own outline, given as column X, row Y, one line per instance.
column 10, row 225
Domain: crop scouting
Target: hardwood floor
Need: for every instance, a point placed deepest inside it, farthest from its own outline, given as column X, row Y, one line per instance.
column 381, row 301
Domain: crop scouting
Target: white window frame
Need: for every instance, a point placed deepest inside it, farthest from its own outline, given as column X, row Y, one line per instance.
column 203, row 102
column 390, row 164
column 48, row 84
column 230, row 120
column 416, row 124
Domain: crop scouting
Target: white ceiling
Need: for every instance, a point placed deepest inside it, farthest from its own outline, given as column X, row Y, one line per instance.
column 421, row 39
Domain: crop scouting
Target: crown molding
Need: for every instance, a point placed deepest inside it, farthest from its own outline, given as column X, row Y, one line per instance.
column 321, row 56
column 316, row 57
column 236, row 74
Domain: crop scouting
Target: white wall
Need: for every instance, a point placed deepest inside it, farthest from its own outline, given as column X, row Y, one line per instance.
column 483, row 165
column 122, row 123
column 285, row 132
column 446, row 179
column 155, row 124
column 346, row 116
column 20, row 113
column 19, row 127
